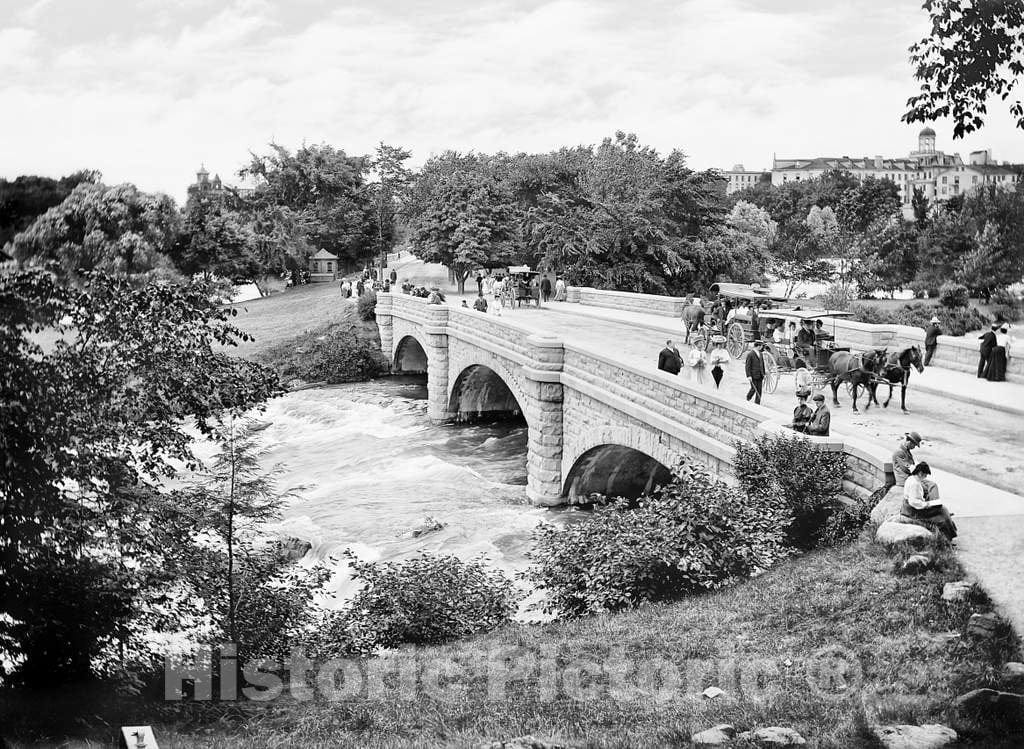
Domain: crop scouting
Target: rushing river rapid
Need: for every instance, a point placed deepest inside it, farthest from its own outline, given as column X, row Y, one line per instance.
column 372, row 467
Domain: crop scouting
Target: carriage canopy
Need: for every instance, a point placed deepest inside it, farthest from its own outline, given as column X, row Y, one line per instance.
column 750, row 292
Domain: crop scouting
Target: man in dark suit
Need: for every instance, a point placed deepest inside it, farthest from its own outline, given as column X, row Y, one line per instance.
column 669, row 359
column 988, row 342
column 821, row 419
column 754, row 368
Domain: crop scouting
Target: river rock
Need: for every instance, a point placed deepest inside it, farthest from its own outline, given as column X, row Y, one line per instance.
column 890, row 533
column 992, row 703
column 712, row 692
column 983, row 625
column 719, row 735
column 930, row 736
column 956, row 591
column 427, row 525
column 889, row 506
column 915, row 564
column 294, row 549
column 525, row 742
column 773, row 736
column 1013, row 670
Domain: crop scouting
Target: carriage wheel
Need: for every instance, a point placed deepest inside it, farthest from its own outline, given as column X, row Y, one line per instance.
column 735, row 340
column 849, row 388
column 771, row 372
column 802, row 378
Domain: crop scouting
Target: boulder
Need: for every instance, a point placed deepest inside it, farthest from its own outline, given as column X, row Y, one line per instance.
column 956, row 591
column 890, row 533
column 712, row 692
column 426, row 525
column 931, row 736
column 525, row 742
column 1013, row 670
column 773, row 736
column 1002, row 705
column 915, row 564
column 719, row 735
column 983, row 625
column 889, row 506
column 294, row 549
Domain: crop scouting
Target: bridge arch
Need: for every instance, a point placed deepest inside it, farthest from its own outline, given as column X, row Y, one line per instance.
column 616, row 463
column 480, row 391
column 410, row 356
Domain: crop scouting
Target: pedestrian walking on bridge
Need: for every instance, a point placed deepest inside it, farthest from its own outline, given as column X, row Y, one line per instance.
column 754, row 370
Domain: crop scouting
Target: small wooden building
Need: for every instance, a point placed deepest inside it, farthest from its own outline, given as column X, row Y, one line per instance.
column 323, row 267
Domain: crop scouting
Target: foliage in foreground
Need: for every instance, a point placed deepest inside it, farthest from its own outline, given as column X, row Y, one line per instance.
column 425, row 600
column 955, row 322
column 91, row 424
column 695, row 534
column 807, row 481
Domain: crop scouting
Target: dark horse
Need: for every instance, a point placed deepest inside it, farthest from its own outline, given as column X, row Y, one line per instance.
column 859, row 369
column 895, row 369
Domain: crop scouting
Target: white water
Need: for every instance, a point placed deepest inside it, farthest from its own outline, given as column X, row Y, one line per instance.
column 372, row 467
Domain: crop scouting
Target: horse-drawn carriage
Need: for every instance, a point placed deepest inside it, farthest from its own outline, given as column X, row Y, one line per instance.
column 521, row 286
column 808, row 362
column 741, row 329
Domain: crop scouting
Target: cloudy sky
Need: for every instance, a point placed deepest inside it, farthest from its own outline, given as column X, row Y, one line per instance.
column 146, row 90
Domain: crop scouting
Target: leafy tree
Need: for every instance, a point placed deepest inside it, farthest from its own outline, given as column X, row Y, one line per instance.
column 919, row 202
column 461, row 214
column 316, row 198
column 216, row 239
column 621, row 216
column 26, row 197
column 253, row 595
column 119, row 230
column 889, row 258
column 90, row 426
column 388, row 194
column 975, row 51
column 940, row 248
column 1000, row 212
column 981, row 269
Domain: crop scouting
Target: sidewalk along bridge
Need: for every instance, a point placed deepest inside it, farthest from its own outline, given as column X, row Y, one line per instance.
column 594, row 424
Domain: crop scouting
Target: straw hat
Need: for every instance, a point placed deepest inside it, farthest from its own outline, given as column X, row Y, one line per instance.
column 934, row 320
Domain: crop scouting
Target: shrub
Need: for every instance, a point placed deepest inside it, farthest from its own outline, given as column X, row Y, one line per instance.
column 428, row 599
column 955, row 322
column 954, row 296
column 366, row 306
column 808, row 481
column 1007, row 306
column 695, row 534
column 837, row 296
column 340, row 357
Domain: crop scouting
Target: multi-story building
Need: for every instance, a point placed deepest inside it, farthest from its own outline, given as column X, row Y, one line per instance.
column 937, row 174
column 740, row 179
column 204, row 184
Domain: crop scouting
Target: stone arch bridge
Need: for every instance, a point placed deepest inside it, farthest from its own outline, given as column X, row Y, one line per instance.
column 594, row 424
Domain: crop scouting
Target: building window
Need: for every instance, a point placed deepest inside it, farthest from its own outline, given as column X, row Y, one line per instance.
column 943, row 182
column 974, row 180
column 330, row 266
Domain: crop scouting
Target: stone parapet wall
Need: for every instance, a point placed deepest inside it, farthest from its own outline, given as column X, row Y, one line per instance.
column 954, row 352
column 669, row 306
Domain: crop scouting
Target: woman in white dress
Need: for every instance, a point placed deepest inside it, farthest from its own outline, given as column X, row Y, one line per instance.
column 718, row 359
column 698, row 361
column 559, row 290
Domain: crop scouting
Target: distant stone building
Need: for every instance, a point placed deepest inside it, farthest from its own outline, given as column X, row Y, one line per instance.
column 215, row 187
column 323, row 267
column 937, row 174
column 740, row 179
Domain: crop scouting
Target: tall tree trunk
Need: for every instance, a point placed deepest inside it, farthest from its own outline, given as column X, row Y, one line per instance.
column 232, row 633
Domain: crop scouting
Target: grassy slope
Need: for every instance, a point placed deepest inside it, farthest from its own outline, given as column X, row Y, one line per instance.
column 277, row 318
column 843, row 598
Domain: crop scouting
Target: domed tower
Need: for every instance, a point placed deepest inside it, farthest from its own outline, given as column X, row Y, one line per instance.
column 926, row 141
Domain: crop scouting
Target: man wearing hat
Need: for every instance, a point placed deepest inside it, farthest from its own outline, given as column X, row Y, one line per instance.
column 988, row 342
column 802, row 413
column 931, row 340
column 754, row 368
column 821, row 419
column 903, row 460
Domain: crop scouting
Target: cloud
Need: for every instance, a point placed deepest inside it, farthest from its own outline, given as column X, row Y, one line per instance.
column 148, row 90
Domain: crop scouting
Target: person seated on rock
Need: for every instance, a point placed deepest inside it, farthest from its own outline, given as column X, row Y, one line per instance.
column 802, row 413
column 922, row 503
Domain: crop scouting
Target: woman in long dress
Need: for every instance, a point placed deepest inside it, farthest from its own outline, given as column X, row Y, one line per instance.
column 999, row 356
column 559, row 290
column 698, row 362
column 718, row 359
